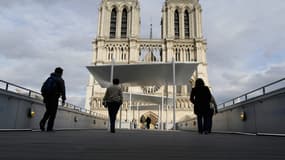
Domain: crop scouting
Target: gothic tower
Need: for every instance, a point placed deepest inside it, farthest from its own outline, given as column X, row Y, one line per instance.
column 182, row 31
column 118, row 31
column 118, row 40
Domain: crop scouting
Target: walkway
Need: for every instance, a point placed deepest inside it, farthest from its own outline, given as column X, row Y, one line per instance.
column 137, row 145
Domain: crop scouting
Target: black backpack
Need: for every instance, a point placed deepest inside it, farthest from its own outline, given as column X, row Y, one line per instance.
column 49, row 87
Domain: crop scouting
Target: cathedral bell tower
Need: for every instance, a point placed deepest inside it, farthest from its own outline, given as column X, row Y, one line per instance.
column 119, row 21
column 117, row 34
column 181, row 27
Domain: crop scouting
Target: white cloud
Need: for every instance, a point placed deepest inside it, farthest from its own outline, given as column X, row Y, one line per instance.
column 244, row 44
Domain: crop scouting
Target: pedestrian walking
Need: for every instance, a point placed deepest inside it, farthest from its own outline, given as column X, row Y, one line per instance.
column 201, row 97
column 113, row 99
column 52, row 89
column 148, row 121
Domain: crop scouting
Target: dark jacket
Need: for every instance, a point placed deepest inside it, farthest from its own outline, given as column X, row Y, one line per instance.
column 60, row 87
column 201, row 97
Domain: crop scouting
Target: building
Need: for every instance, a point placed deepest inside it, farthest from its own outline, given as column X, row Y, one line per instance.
column 118, row 39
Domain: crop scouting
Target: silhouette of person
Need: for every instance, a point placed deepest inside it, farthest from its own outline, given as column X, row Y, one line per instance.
column 113, row 99
column 201, row 97
column 135, row 124
column 52, row 89
column 213, row 110
column 148, row 121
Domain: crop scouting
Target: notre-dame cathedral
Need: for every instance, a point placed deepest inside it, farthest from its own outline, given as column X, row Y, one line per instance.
column 118, row 39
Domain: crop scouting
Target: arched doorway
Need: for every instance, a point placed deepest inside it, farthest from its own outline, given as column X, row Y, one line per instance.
column 152, row 116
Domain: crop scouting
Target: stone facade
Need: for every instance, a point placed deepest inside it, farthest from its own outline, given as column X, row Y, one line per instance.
column 118, row 39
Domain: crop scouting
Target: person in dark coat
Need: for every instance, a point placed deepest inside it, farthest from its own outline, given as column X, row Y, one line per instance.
column 213, row 110
column 201, row 97
column 148, row 121
column 52, row 90
column 113, row 99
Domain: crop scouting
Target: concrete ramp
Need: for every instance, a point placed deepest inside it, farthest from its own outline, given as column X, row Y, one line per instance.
column 137, row 145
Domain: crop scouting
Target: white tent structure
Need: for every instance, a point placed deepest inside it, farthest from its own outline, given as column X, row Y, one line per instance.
column 156, row 102
column 150, row 74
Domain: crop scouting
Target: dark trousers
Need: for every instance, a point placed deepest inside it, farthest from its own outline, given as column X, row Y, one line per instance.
column 147, row 125
column 211, row 114
column 204, row 122
column 50, row 114
column 113, row 108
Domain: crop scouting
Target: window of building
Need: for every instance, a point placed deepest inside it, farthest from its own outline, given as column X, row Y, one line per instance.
column 177, row 55
column 110, row 54
column 113, row 23
column 124, row 24
column 186, row 24
column 188, row 55
column 176, row 24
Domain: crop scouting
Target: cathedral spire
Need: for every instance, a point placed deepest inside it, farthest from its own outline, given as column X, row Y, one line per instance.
column 150, row 34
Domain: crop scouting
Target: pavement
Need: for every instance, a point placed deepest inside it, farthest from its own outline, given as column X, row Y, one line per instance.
column 137, row 145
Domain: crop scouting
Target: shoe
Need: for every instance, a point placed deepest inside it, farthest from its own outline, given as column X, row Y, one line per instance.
column 50, row 130
column 42, row 127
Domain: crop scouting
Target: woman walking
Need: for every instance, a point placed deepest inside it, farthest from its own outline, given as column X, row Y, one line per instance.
column 201, row 98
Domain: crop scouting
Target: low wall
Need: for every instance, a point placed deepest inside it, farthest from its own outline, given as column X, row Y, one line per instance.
column 15, row 109
column 263, row 114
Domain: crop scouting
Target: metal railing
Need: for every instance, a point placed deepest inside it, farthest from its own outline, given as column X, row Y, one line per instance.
column 10, row 87
column 280, row 84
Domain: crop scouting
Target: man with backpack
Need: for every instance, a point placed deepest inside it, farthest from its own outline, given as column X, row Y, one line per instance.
column 52, row 89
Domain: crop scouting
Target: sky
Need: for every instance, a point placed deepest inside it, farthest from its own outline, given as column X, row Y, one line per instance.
column 245, row 42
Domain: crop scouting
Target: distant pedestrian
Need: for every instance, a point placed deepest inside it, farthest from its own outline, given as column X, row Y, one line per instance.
column 213, row 110
column 135, row 124
column 201, row 97
column 113, row 99
column 148, row 121
column 52, row 89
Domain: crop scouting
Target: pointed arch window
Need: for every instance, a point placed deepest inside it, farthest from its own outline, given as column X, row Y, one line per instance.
column 186, row 24
column 113, row 23
column 176, row 24
column 124, row 25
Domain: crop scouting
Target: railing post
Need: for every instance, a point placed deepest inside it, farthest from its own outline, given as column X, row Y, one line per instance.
column 263, row 90
column 7, row 85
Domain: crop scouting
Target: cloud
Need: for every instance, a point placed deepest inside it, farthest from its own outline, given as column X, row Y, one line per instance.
column 37, row 36
column 245, row 48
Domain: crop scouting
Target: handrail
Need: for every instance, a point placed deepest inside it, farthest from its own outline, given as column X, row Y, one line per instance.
column 36, row 95
column 246, row 96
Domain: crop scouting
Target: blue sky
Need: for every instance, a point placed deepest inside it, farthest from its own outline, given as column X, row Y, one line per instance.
column 245, row 42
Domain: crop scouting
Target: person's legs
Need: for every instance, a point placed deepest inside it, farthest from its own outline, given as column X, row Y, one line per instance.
column 113, row 109
column 44, row 119
column 52, row 116
column 210, row 120
column 46, row 116
column 207, row 122
column 112, row 119
column 116, row 109
column 200, row 123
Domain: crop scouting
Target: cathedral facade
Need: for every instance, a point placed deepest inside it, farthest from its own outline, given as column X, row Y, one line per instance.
column 118, row 40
